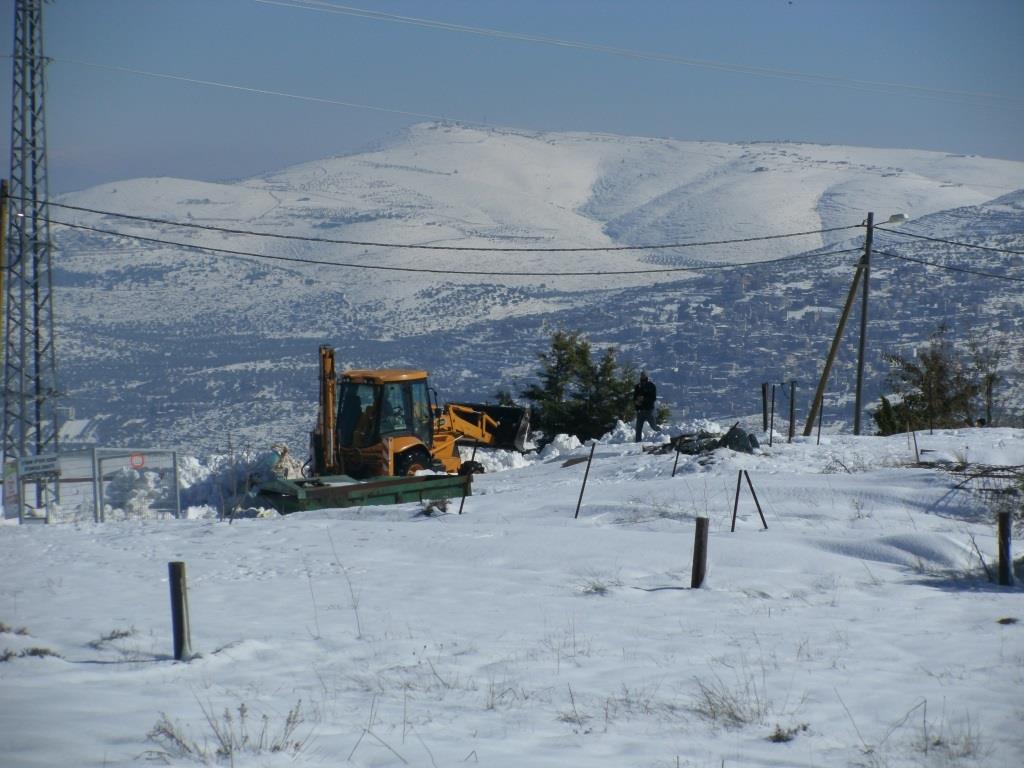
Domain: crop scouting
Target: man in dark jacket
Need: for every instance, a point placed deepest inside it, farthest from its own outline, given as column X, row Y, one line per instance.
column 644, row 395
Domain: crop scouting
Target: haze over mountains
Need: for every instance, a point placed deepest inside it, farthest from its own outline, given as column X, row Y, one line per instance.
column 160, row 345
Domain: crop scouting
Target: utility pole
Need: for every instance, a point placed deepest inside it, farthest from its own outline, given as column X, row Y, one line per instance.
column 30, row 362
column 866, row 262
column 863, row 273
column 819, row 393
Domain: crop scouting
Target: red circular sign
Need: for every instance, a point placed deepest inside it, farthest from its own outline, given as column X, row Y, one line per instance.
column 138, row 461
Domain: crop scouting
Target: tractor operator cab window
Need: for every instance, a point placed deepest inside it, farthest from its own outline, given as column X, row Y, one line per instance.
column 405, row 410
column 393, row 414
column 357, row 425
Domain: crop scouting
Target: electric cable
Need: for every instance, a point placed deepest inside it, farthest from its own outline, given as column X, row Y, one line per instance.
column 260, row 91
column 950, row 242
column 976, row 98
column 424, row 247
column 950, row 268
column 428, row 270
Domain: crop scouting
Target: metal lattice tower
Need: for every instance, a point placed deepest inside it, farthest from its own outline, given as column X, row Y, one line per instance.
column 30, row 361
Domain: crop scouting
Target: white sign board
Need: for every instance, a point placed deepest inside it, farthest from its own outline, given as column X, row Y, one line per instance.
column 38, row 466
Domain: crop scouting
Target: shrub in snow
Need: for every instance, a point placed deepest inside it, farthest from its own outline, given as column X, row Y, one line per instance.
column 938, row 387
column 135, row 493
column 231, row 735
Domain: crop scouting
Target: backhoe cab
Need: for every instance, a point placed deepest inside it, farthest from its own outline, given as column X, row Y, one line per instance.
column 388, row 422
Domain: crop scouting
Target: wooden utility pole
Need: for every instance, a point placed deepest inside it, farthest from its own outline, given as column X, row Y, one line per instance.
column 820, row 392
column 866, row 262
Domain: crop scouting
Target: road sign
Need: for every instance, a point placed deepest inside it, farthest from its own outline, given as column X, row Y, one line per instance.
column 138, row 460
column 30, row 467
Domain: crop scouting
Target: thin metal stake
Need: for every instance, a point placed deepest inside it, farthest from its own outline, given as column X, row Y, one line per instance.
column 736, row 504
column 821, row 411
column 469, row 482
column 585, row 475
column 756, row 502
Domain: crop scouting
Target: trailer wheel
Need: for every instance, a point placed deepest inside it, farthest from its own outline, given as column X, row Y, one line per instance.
column 471, row 468
column 412, row 461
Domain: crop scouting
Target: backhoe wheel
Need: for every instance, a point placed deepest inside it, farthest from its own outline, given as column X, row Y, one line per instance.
column 411, row 462
column 471, row 468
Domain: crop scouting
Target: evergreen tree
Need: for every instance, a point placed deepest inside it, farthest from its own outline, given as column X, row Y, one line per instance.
column 937, row 388
column 576, row 395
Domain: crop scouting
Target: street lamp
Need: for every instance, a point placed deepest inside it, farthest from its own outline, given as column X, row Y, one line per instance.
column 896, row 218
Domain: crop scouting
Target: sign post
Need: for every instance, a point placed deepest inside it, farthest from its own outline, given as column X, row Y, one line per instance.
column 12, row 489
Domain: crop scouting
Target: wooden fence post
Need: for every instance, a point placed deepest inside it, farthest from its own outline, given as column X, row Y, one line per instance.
column 1005, row 557
column 700, row 553
column 180, row 626
column 792, row 410
column 764, row 405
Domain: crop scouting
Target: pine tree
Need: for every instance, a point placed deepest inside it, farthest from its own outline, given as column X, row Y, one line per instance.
column 936, row 388
column 576, row 395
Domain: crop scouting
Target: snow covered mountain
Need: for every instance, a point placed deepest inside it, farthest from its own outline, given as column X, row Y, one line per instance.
column 163, row 345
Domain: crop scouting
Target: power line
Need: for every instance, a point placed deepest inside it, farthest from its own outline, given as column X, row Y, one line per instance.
column 428, row 270
column 950, row 268
column 422, row 247
column 976, row 98
column 260, row 91
column 951, row 242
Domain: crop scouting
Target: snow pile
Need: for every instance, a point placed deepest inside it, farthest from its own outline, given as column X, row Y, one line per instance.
column 560, row 445
column 222, row 482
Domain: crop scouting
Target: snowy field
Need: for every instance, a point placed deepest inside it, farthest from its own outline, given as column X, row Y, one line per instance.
column 859, row 629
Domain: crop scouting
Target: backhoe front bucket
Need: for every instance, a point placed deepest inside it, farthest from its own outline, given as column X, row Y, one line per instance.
column 513, row 428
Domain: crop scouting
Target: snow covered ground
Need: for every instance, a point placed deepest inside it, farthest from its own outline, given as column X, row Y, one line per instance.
column 859, row 629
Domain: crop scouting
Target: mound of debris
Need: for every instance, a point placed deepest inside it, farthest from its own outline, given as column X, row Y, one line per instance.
column 736, row 439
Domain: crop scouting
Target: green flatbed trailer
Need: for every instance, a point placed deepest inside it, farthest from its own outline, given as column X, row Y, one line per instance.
column 287, row 496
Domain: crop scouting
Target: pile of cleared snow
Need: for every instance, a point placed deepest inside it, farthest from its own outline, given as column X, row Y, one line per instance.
column 224, row 481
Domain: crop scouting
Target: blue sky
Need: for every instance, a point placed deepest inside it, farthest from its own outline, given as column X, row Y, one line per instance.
column 106, row 124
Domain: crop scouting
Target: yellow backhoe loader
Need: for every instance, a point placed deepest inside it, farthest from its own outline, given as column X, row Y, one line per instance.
column 375, row 423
